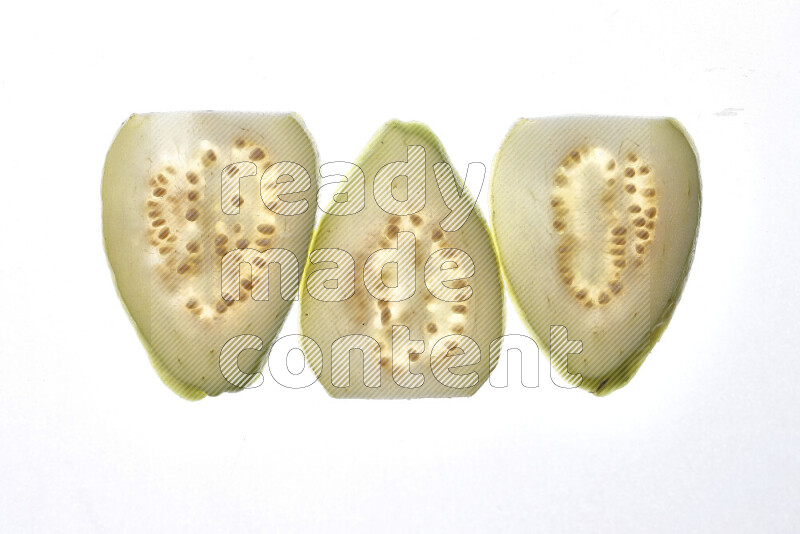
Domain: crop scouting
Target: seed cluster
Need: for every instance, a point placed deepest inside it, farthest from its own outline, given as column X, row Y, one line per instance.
column 439, row 318
column 629, row 213
column 189, row 233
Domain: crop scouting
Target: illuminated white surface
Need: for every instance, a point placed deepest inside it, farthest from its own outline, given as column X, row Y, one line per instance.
column 705, row 437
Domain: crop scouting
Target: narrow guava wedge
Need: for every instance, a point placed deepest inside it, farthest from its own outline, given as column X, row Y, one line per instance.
column 403, row 294
column 188, row 199
column 596, row 220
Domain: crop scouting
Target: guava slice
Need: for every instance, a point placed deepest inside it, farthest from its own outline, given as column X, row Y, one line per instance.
column 182, row 194
column 596, row 220
column 403, row 295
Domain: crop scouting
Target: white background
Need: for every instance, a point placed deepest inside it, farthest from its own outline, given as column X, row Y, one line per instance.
column 704, row 439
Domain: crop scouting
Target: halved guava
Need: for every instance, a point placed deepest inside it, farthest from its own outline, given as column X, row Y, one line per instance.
column 403, row 294
column 596, row 220
column 183, row 193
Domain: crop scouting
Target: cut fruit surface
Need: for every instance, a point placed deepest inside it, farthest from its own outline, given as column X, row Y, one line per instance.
column 596, row 220
column 181, row 193
column 394, row 305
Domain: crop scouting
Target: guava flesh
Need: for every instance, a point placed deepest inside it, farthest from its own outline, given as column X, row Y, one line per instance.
column 596, row 220
column 180, row 192
column 417, row 317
